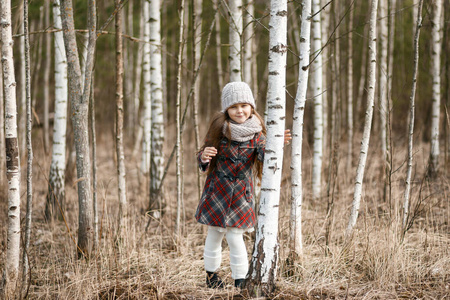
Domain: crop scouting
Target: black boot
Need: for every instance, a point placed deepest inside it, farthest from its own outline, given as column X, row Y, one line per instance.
column 213, row 281
column 239, row 283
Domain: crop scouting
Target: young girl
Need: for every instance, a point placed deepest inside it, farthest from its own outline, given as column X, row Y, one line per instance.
column 233, row 147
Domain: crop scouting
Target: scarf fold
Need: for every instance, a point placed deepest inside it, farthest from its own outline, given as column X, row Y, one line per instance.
column 242, row 132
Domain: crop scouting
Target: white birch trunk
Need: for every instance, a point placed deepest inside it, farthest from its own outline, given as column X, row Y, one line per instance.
column 157, row 127
column 178, row 121
column 236, row 22
column 436, row 37
column 409, row 161
column 218, row 45
column 197, row 24
column 392, row 11
column 350, row 91
column 368, row 120
column 23, row 101
column 317, row 93
column 248, row 41
column 12, row 151
column 128, row 53
column 147, row 112
column 263, row 267
column 326, row 59
column 296, row 245
column 121, row 172
column 56, row 192
column 383, row 74
column 2, row 132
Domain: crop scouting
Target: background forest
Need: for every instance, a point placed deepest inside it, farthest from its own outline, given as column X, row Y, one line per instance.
column 148, row 244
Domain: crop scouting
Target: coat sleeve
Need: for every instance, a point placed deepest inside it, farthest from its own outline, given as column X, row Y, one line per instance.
column 260, row 146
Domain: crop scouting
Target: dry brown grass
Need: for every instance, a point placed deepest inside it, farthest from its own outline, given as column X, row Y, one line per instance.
column 377, row 264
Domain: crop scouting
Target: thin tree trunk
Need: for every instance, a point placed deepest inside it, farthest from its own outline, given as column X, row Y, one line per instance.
column 248, row 41
column 411, row 119
column 26, row 245
column 263, row 267
column 436, row 36
column 23, row 101
column 235, row 10
column 79, row 99
column 2, row 130
column 38, row 58
column 95, row 245
column 382, row 85
column 178, row 120
column 147, row 113
column 122, row 185
column 362, row 76
column 47, row 66
column 326, row 63
column 318, row 99
column 368, row 121
column 350, row 91
column 12, row 152
column 128, row 53
column 157, row 135
column 197, row 23
column 296, row 245
column 55, row 202
column 218, row 45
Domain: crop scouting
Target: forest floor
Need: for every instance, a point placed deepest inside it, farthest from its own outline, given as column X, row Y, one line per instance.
column 157, row 264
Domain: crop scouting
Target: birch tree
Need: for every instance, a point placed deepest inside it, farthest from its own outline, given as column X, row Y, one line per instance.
column 2, row 130
column 29, row 126
column 46, row 83
column 147, row 113
column 436, row 39
column 350, row 90
column 296, row 245
column 371, row 81
column 56, row 191
column 235, row 11
column 249, row 73
column 263, row 267
column 218, row 45
column 409, row 161
column 122, row 189
column 12, row 151
column 79, row 99
column 316, row 87
column 157, row 127
column 383, row 69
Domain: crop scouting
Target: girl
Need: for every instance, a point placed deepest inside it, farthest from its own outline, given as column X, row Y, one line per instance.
column 233, row 147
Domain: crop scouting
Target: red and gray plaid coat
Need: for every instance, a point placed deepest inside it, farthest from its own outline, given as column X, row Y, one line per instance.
column 227, row 199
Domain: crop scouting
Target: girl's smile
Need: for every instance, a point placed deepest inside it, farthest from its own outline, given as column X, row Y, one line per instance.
column 240, row 112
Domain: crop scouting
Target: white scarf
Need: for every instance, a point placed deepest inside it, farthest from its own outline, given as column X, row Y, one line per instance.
column 242, row 132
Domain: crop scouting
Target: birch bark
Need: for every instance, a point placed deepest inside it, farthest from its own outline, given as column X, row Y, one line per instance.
column 147, row 112
column 56, row 191
column 368, row 120
column 436, row 37
column 157, row 127
column 350, row 91
column 296, row 245
column 47, row 66
column 12, row 151
column 249, row 43
column 218, row 44
column 409, row 161
column 263, row 267
column 2, row 130
column 235, row 10
column 383, row 75
column 316, row 87
column 121, row 172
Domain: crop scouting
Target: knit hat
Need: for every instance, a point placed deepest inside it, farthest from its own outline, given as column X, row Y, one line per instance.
column 236, row 92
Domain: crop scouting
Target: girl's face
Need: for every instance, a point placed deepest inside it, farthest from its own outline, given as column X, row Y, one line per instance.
column 240, row 112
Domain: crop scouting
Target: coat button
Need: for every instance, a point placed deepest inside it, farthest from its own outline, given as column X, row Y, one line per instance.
column 241, row 176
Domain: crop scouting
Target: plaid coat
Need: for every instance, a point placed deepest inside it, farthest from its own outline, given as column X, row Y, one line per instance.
column 227, row 198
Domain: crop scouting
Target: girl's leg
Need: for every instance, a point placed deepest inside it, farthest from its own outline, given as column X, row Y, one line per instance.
column 212, row 254
column 238, row 254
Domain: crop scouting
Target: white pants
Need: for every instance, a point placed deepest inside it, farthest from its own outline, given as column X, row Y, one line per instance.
column 238, row 252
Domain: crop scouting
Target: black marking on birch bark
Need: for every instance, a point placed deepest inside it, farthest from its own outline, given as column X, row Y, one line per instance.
column 13, row 208
column 274, row 73
column 12, row 155
column 267, row 189
column 279, row 48
column 276, row 106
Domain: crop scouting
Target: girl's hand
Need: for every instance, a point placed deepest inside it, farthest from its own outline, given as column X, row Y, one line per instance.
column 287, row 136
column 208, row 153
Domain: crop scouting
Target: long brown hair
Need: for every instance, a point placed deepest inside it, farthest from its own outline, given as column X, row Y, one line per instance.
column 215, row 135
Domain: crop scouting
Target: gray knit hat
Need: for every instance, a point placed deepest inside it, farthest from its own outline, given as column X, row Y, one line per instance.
column 236, row 92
